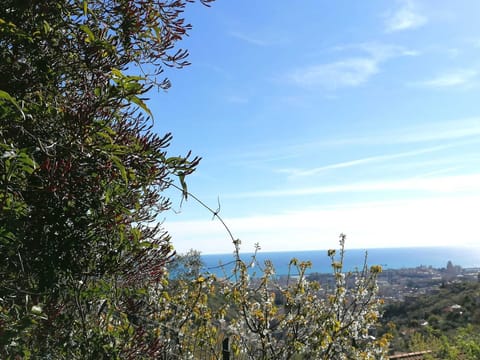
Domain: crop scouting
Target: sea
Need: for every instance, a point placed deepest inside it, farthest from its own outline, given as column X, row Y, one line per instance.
column 389, row 258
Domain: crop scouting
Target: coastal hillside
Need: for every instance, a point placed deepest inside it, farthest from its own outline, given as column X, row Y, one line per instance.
column 445, row 320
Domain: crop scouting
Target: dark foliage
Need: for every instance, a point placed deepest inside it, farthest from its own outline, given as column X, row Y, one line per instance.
column 82, row 175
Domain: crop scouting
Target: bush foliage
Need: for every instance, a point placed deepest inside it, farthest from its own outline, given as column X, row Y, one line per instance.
column 82, row 179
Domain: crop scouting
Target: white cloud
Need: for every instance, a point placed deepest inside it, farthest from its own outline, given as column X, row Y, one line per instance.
column 378, row 51
column 343, row 73
column 459, row 132
column 445, row 184
column 414, row 222
column 350, row 71
column 458, row 78
column 405, row 18
column 447, row 130
column 363, row 161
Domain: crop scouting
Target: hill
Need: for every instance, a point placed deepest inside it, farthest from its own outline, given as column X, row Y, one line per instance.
column 446, row 320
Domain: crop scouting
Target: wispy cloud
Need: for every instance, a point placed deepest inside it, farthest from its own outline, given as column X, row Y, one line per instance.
column 406, row 17
column 458, row 78
column 248, row 38
column 350, row 71
column 465, row 130
column 475, row 43
column 237, row 99
column 379, row 51
column 445, row 184
column 448, row 130
column 363, row 161
column 345, row 73
column 458, row 132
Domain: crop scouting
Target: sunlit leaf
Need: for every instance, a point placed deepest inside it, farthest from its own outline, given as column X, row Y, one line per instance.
column 88, row 31
column 136, row 100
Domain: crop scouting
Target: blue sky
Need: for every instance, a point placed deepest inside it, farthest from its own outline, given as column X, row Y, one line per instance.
column 315, row 118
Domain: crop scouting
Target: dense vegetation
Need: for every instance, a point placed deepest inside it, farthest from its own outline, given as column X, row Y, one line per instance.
column 82, row 179
column 82, row 174
column 446, row 321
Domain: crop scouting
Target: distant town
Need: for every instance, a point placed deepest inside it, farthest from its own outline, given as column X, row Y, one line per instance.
column 402, row 284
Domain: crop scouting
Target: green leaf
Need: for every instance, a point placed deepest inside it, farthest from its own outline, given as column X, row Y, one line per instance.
column 6, row 96
column 85, row 7
column 136, row 100
column 117, row 73
column 120, row 167
column 6, row 235
column 28, row 164
column 46, row 27
column 136, row 233
column 87, row 31
column 105, row 136
column 108, row 194
column 181, row 177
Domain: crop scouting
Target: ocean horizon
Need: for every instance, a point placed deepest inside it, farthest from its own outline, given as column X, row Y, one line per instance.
column 388, row 258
